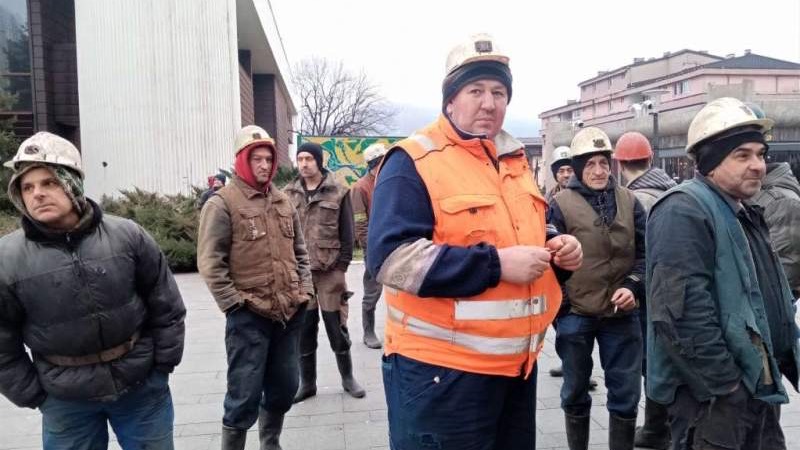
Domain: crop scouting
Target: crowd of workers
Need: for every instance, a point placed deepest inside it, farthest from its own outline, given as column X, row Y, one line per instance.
column 689, row 288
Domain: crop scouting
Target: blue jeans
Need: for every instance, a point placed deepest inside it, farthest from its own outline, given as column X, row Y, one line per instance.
column 432, row 407
column 262, row 365
column 141, row 419
column 620, row 343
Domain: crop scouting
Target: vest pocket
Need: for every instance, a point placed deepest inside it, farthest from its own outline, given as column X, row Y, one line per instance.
column 326, row 253
column 252, row 225
column 328, row 213
column 469, row 218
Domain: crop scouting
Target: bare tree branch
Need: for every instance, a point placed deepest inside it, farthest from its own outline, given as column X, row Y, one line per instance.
column 336, row 102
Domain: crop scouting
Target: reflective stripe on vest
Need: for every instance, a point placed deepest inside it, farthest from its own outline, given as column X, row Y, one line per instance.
column 482, row 344
column 499, row 309
column 424, row 141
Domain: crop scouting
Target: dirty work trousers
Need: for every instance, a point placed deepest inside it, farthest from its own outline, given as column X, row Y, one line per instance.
column 735, row 421
column 262, row 365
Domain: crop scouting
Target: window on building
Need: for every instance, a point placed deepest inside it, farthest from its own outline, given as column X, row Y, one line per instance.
column 576, row 114
column 15, row 61
column 681, row 87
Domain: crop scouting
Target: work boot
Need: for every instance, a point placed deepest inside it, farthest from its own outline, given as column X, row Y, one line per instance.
column 577, row 431
column 233, row 438
column 370, row 339
column 655, row 432
column 557, row 372
column 350, row 385
column 620, row 433
column 308, row 378
column 270, row 425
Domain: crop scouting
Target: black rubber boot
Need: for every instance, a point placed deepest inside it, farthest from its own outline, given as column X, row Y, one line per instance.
column 308, row 356
column 655, row 432
column 620, row 433
column 233, row 438
column 368, row 319
column 270, row 425
column 350, row 385
column 577, row 431
column 308, row 378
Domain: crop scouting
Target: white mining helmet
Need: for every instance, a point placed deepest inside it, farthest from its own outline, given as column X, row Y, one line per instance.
column 479, row 47
column 47, row 148
column 719, row 116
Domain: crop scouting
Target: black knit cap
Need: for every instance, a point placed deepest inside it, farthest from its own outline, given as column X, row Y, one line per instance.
column 711, row 153
column 556, row 166
column 478, row 70
column 315, row 150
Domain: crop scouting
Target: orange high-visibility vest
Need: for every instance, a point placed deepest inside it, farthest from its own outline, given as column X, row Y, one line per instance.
column 500, row 331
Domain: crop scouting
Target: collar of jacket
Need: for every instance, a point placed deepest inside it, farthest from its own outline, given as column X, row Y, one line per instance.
column 38, row 232
column 328, row 182
column 251, row 193
column 736, row 206
column 502, row 145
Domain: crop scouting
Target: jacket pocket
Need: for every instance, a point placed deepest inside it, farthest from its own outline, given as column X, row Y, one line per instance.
column 328, row 213
column 252, row 225
column 470, row 218
column 285, row 220
column 326, row 252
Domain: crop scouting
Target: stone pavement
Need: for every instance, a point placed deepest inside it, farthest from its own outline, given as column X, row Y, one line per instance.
column 331, row 420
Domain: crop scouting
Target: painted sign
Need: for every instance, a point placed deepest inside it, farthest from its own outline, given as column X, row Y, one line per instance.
column 344, row 156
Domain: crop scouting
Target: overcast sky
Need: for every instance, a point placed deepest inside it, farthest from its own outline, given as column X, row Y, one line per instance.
column 402, row 45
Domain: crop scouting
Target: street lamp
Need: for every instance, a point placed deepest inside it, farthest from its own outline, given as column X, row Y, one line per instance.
column 653, row 106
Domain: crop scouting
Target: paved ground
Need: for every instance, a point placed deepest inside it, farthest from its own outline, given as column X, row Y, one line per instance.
column 329, row 421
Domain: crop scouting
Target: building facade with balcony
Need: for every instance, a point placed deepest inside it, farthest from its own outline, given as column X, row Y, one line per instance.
column 659, row 97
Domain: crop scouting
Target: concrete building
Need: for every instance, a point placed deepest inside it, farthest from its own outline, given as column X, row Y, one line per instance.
column 151, row 91
column 659, row 97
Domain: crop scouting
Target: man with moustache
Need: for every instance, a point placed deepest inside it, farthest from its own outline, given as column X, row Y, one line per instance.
column 458, row 238
column 721, row 328
column 253, row 258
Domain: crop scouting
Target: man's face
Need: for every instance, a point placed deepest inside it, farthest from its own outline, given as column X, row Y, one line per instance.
column 596, row 172
column 741, row 172
column 307, row 165
column 45, row 199
column 563, row 175
column 479, row 107
column 261, row 164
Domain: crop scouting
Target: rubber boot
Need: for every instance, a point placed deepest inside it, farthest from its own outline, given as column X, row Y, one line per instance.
column 620, row 433
column 370, row 339
column 308, row 378
column 308, row 356
column 577, row 431
column 233, row 438
column 655, row 432
column 350, row 385
column 557, row 372
column 270, row 425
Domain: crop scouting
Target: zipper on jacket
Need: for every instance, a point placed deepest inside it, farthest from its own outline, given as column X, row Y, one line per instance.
column 495, row 162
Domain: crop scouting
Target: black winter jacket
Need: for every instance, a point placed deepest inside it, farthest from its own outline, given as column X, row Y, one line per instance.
column 80, row 293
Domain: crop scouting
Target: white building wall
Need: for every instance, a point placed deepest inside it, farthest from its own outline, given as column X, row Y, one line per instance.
column 159, row 92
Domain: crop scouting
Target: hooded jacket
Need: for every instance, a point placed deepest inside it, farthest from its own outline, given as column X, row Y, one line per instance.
column 650, row 186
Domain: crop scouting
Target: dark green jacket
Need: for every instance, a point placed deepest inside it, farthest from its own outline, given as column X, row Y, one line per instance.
column 707, row 324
